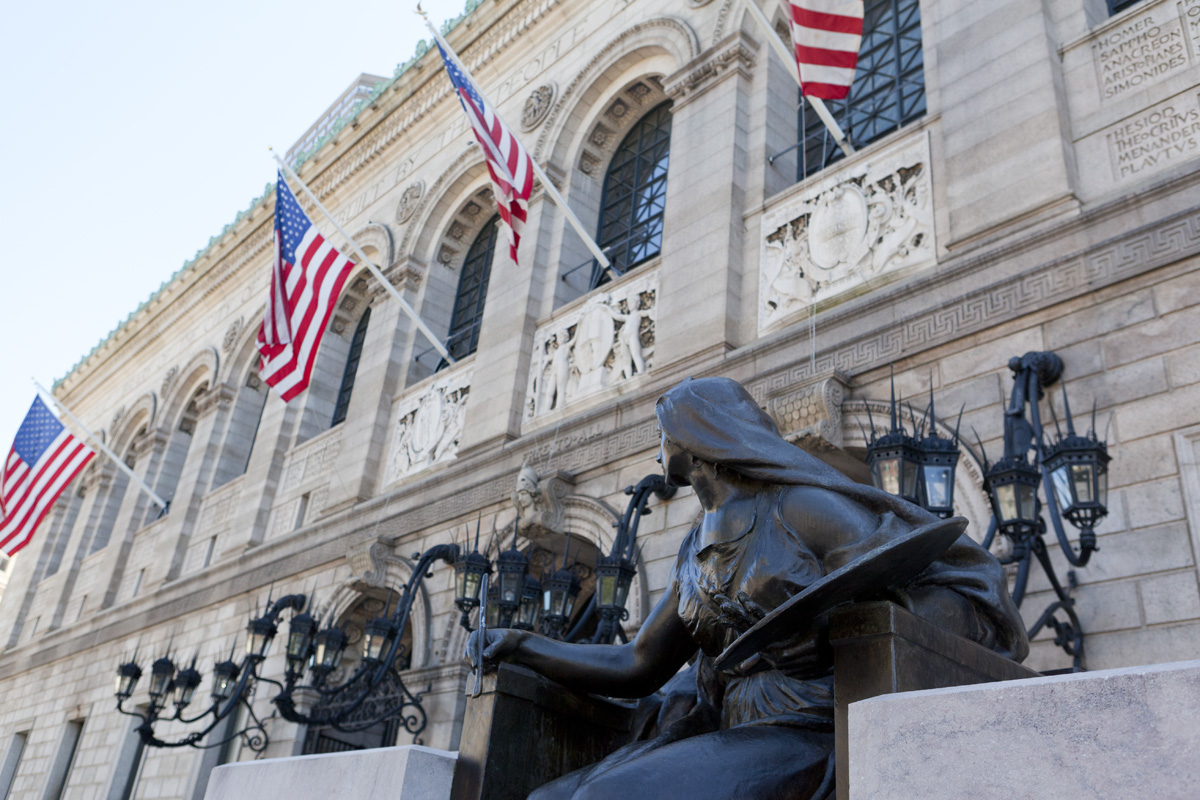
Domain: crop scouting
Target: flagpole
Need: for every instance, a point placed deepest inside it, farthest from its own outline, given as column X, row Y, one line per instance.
column 392, row 290
column 121, row 465
column 537, row 170
column 818, row 105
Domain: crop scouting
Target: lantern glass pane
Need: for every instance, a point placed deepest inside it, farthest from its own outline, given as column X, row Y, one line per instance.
column 510, row 586
column 493, row 613
column 1102, row 488
column 910, row 478
column 297, row 644
column 622, row 593
column 460, row 584
column 470, row 585
column 937, row 485
column 158, row 683
column 1006, row 500
column 183, row 695
column 557, row 599
column 568, row 604
column 608, row 590
column 372, row 645
column 223, row 687
column 1062, row 487
column 1028, row 496
column 1081, row 476
column 529, row 612
column 888, row 470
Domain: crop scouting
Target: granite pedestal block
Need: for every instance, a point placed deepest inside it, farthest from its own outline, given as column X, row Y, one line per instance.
column 1112, row 734
column 880, row 648
column 411, row 772
column 524, row 731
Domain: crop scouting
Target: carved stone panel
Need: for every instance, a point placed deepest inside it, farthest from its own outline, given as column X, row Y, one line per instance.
column 408, row 201
column 429, row 424
column 867, row 221
column 604, row 342
column 537, row 106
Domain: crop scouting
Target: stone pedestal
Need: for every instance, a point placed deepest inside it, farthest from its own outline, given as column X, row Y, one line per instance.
column 404, row 773
column 879, row 648
column 1123, row 733
column 524, row 731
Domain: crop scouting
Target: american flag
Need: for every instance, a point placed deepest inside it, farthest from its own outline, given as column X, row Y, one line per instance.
column 44, row 458
column 826, row 35
column 510, row 166
column 307, row 278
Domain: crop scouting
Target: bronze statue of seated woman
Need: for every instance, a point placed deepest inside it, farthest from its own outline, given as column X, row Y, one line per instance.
column 776, row 520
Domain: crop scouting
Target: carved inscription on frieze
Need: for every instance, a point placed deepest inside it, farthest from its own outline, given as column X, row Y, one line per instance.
column 1189, row 12
column 1155, row 139
column 606, row 341
column 873, row 218
column 1147, row 49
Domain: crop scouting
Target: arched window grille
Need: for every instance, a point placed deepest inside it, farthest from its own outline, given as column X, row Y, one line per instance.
column 472, row 292
column 356, row 346
column 888, row 90
column 635, row 193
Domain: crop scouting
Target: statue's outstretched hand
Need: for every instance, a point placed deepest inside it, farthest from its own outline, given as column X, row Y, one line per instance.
column 500, row 645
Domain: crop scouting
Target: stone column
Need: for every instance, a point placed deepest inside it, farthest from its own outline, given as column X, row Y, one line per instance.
column 703, row 228
column 506, row 333
column 381, row 371
column 1006, row 146
column 214, row 408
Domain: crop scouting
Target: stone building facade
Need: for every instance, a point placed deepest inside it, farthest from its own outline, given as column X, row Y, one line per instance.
column 1026, row 178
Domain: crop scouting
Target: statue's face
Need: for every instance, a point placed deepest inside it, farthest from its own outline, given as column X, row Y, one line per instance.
column 676, row 463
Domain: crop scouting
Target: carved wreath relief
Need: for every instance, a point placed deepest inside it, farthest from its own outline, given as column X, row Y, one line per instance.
column 875, row 218
column 537, row 106
column 429, row 426
column 604, row 342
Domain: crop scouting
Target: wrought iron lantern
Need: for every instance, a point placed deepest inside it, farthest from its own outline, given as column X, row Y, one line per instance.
column 1072, row 471
column 895, row 459
column 531, row 605
column 329, row 648
column 128, row 674
column 614, row 574
column 259, row 635
column 161, row 673
column 1078, row 470
column 510, row 585
column 184, row 685
column 469, row 570
column 1013, row 490
column 308, row 650
column 225, row 677
column 558, row 599
column 377, row 637
column 301, row 632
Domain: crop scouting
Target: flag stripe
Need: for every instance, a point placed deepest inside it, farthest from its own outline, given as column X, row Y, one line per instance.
column 816, row 56
column 819, row 20
column 826, row 37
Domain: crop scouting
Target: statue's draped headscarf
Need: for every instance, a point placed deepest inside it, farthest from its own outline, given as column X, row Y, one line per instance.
column 716, row 419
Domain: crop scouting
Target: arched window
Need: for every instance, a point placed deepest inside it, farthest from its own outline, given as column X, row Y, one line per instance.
column 888, row 90
column 472, row 292
column 356, row 346
column 635, row 192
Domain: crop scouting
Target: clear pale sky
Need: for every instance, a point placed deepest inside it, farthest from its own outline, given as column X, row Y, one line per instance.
column 133, row 131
